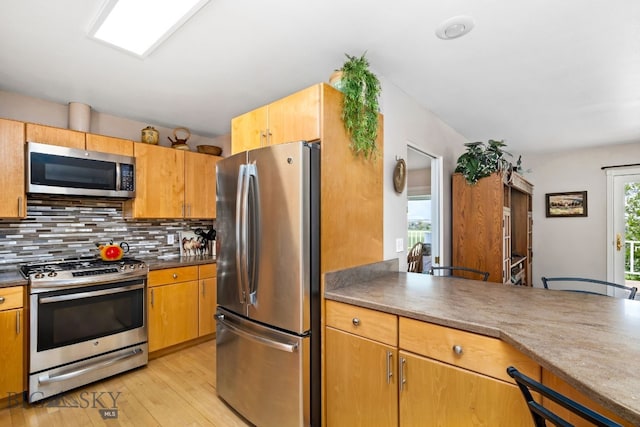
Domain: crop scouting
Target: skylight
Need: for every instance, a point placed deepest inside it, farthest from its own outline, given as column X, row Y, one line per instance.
column 139, row 26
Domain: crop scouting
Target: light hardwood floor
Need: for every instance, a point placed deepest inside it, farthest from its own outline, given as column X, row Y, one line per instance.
column 177, row 389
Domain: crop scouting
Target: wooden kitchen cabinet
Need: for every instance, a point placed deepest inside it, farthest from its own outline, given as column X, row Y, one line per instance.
column 172, row 306
column 12, row 341
column 453, row 377
column 385, row 370
column 12, row 170
column 55, row 136
column 200, row 185
column 292, row 118
column 109, row 144
column 491, row 227
column 207, row 299
column 173, row 183
column 361, row 367
column 159, row 183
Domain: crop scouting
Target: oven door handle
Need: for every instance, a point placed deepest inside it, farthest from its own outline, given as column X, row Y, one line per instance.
column 46, row 379
column 81, row 295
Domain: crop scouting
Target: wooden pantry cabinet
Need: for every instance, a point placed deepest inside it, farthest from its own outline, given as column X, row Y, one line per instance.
column 292, row 118
column 492, row 227
column 12, row 341
column 12, row 170
column 382, row 369
column 173, row 183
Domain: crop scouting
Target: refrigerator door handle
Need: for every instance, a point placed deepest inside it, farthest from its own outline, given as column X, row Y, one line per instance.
column 241, row 232
column 254, row 228
column 283, row 346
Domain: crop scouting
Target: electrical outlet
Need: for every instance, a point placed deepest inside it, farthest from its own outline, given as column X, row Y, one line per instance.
column 400, row 245
column 171, row 239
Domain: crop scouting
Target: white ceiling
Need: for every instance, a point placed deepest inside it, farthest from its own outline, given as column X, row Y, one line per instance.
column 543, row 75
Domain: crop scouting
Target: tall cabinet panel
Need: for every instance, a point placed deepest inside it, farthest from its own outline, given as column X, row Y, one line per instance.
column 492, row 226
column 12, row 173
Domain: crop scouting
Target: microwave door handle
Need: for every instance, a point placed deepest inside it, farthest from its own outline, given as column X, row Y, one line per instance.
column 241, row 231
column 254, row 227
column 118, row 176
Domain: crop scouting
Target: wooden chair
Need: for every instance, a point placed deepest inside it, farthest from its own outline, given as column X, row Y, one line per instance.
column 632, row 290
column 414, row 258
column 453, row 269
column 540, row 414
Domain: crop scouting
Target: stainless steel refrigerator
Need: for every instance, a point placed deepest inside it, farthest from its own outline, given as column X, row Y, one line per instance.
column 268, row 281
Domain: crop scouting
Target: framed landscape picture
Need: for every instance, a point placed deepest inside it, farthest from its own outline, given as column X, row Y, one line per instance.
column 571, row 203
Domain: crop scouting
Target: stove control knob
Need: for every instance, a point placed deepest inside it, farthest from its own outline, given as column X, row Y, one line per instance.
column 39, row 275
column 132, row 266
column 52, row 274
column 140, row 265
column 123, row 267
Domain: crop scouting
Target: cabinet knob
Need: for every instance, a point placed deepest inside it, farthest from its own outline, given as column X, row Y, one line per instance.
column 1, row 300
column 175, row 276
column 457, row 349
column 355, row 321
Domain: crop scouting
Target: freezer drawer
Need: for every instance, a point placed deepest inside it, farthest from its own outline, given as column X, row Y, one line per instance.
column 263, row 373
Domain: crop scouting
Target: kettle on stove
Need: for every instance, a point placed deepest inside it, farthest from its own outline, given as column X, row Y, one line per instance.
column 111, row 251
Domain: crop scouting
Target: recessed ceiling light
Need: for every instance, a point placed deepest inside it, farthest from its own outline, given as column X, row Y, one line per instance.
column 139, row 26
column 455, row 27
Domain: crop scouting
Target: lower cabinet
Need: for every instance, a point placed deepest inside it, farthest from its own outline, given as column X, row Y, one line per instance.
column 181, row 303
column 12, row 341
column 172, row 306
column 207, row 299
column 425, row 375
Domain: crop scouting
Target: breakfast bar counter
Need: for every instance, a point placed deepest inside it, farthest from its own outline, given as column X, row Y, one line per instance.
column 592, row 342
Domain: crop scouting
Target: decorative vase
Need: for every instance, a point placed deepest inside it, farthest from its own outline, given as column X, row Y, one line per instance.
column 79, row 116
column 149, row 135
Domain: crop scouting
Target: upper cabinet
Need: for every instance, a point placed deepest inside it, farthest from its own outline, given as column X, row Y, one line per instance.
column 12, row 171
column 200, row 185
column 173, row 183
column 109, row 144
column 79, row 140
column 55, row 136
column 159, row 183
column 293, row 118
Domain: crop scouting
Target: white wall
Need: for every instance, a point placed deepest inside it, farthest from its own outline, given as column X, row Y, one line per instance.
column 28, row 109
column 573, row 245
column 406, row 122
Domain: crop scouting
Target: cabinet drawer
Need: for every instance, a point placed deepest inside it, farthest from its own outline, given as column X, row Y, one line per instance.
column 172, row 275
column 372, row 324
column 478, row 353
column 207, row 271
column 12, row 297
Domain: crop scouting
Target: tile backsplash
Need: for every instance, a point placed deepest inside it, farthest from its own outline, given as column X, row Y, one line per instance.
column 70, row 227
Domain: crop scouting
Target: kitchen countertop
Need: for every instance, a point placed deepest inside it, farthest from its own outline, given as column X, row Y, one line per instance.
column 11, row 276
column 590, row 341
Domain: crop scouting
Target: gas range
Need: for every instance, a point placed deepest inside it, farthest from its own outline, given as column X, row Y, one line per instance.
column 82, row 271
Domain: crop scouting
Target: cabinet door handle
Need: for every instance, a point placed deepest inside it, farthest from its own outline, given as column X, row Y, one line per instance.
column 403, row 378
column 1, row 300
column 457, row 349
column 20, row 206
column 175, row 275
column 269, row 137
column 151, row 297
column 18, row 322
column 355, row 321
column 203, row 288
column 263, row 135
column 389, row 366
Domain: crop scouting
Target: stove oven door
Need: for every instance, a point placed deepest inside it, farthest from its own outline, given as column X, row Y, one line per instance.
column 74, row 324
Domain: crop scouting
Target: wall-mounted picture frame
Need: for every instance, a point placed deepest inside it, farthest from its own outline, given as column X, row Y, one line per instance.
column 567, row 204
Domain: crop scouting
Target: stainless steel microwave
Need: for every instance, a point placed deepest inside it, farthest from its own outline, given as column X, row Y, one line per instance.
column 68, row 171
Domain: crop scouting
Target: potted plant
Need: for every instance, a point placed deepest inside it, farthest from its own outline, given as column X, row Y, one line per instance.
column 482, row 160
column 361, row 89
